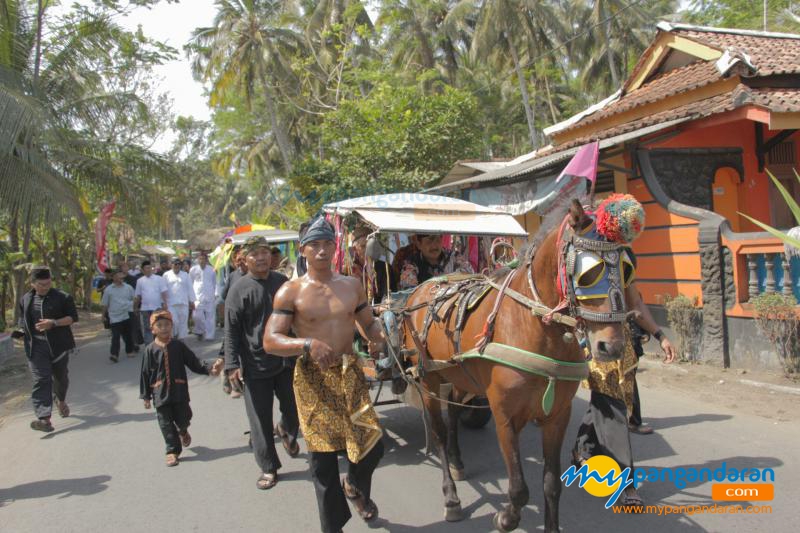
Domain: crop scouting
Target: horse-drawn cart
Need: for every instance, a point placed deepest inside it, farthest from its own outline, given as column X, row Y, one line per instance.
column 519, row 336
column 388, row 217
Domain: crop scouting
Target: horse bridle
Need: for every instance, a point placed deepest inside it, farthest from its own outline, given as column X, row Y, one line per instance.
column 568, row 249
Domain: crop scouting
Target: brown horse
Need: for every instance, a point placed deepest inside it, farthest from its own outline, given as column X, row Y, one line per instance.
column 515, row 397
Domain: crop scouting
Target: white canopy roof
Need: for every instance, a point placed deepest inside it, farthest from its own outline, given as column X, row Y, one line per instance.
column 273, row 236
column 427, row 213
column 153, row 249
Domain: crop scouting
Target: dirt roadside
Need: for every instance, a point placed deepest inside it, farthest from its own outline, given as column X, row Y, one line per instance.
column 15, row 380
column 756, row 392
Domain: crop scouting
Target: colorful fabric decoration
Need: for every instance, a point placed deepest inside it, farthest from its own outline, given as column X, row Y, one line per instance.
column 473, row 253
column 620, row 218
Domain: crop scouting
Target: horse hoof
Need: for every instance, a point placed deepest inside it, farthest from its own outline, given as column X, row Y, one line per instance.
column 457, row 474
column 497, row 521
column 453, row 514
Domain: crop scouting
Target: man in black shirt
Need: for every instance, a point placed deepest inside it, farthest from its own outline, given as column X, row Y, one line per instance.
column 47, row 315
column 239, row 265
column 247, row 308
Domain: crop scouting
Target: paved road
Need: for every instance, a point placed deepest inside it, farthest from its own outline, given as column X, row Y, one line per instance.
column 102, row 470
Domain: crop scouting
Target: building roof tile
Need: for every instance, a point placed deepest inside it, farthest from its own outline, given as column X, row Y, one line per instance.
column 771, row 54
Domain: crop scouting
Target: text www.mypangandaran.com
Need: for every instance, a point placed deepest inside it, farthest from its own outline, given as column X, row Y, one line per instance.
column 662, row 510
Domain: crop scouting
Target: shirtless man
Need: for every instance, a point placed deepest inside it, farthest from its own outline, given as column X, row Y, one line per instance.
column 323, row 308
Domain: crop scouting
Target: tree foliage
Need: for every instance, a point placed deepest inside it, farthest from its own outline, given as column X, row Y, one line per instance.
column 398, row 138
column 311, row 100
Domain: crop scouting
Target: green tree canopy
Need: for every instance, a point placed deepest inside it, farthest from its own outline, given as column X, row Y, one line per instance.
column 397, row 139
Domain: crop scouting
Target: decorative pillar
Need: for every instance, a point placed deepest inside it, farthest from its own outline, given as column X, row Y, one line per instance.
column 788, row 289
column 752, row 276
column 769, row 260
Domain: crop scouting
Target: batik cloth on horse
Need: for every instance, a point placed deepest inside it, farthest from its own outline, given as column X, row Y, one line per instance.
column 335, row 409
column 615, row 378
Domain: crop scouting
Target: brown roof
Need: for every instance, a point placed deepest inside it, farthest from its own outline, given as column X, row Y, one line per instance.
column 778, row 100
column 770, row 54
column 682, row 79
column 694, row 110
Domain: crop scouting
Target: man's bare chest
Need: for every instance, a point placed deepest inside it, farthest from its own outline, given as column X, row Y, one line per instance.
column 318, row 303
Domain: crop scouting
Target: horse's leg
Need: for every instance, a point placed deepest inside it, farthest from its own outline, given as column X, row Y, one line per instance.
column 552, row 439
column 452, row 505
column 508, row 430
column 453, row 451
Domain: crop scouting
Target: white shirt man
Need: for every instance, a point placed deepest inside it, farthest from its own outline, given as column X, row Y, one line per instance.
column 117, row 301
column 204, row 281
column 151, row 294
column 180, row 298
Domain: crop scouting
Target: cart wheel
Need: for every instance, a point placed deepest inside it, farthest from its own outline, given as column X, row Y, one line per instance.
column 476, row 418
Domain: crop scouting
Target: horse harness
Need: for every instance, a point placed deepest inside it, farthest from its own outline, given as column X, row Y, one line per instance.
column 462, row 293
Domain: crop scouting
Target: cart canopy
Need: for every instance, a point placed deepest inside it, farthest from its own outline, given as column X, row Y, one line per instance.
column 428, row 214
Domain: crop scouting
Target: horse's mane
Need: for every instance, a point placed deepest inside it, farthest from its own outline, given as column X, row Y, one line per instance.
column 550, row 222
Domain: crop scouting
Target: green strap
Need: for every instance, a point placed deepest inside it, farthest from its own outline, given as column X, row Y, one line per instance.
column 532, row 363
column 549, row 396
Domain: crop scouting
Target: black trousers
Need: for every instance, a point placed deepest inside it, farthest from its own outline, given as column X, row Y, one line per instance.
column 604, row 431
column 121, row 329
column 636, row 415
column 258, row 400
column 48, row 378
column 333, row 509
column 174, row 419
column 136, row 329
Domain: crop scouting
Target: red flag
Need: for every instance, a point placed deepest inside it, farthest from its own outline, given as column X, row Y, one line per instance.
column 100, row 235
column 583, row 164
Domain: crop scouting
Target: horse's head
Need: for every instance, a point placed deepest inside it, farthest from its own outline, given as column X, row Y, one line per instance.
column 594, row 275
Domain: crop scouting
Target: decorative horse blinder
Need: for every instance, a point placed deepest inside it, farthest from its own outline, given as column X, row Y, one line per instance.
column 593, row 267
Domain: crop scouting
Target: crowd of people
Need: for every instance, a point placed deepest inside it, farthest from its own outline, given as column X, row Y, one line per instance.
column 289, row 339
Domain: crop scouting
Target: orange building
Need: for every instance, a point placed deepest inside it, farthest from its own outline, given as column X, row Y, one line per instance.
column 691, row 133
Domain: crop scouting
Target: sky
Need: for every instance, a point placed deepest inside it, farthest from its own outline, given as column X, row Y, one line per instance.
column 172, row 24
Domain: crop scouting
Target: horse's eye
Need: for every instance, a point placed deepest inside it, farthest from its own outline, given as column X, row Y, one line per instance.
column 628, row 270
column 590, row 268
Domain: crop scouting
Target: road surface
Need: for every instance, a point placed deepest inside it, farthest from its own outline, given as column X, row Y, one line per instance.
column 103, row 468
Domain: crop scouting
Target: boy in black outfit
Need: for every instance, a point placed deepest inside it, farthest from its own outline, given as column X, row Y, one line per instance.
column 163, row 380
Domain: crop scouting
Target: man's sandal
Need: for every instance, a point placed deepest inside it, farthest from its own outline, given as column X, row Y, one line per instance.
column 577, row 460
column 172, row 459
column 267, row 480
column 640, row 429
column 63, row 408
column 632, row 499
column 186, row 439
column 42, row 424
column 291, row 447
column 366, row 509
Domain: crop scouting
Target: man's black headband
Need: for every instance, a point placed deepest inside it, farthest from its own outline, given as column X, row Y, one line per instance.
column 40, row 273
column 319, row 230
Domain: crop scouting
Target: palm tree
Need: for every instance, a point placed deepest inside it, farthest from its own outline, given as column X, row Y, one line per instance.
column 618, row 32
column 248, row 48
column 430, row 35
column 512, row 28
column 55, row 98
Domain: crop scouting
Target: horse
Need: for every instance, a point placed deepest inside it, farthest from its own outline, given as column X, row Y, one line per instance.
column 515, row 396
